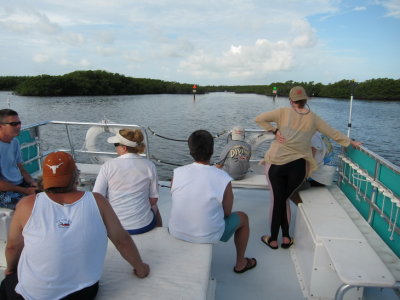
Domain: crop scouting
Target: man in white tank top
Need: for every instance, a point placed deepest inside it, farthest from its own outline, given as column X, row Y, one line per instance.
column 58, row 239
column 202, row 200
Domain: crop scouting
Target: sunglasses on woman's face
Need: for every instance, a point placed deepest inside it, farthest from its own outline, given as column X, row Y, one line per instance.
column 12, row 123
column 117, row 144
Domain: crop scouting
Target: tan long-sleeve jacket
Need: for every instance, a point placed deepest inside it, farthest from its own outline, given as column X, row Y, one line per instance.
column 297, row 129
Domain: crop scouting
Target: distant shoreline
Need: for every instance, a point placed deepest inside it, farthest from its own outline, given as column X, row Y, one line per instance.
column 102, row 83
column 279, row 96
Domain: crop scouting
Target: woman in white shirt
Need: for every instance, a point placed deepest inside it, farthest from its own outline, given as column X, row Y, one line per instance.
column 130, row 183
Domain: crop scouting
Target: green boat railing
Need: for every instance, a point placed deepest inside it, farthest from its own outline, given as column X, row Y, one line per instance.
column 372, row 184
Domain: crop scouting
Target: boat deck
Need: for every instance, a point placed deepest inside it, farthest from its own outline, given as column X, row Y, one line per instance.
column 275, row 275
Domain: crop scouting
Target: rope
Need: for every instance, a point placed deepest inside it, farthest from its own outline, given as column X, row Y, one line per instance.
column 163, row 185
column 221, row 133
column 176, row 140
column 165, row 162
column 164, row 137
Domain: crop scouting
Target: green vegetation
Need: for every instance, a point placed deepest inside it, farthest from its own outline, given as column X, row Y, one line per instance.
column 91, row 83
column 374, row 89
column 9, row 83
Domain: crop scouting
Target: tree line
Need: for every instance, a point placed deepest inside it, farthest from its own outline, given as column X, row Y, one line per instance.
column 89, row 83
column 373, row 89
column 98, row 82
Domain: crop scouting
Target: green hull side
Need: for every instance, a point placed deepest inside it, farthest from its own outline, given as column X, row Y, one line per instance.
column 25, row 137
column 389, row 179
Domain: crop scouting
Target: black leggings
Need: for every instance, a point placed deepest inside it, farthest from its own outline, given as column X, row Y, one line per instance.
column 7, row 290
column 284, row 179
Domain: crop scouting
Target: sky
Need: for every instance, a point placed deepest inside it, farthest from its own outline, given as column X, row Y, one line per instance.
column 208, row 42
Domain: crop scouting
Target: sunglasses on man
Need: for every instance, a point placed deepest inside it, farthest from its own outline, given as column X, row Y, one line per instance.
column 12, row 123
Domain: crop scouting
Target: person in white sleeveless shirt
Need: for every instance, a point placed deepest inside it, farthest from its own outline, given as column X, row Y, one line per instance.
column 130, row 183
column 202, row 200
column 58, row 239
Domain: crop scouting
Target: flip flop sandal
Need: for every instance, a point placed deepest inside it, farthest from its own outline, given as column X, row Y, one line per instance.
column 250, row 264
column 287, row 245
column 267, row 241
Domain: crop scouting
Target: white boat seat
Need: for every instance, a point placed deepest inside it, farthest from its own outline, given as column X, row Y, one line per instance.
column 331, row 250
column 5, row 219
column 327, row 217
column 391, row 260
column 356, row 263
column 252, row 180
column 178, row 270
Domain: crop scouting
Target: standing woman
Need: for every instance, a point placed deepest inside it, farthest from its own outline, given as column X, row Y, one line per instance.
column 289, row 159
column 130, row 183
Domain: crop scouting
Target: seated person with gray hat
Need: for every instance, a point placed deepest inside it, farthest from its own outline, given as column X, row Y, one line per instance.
column 235, row 156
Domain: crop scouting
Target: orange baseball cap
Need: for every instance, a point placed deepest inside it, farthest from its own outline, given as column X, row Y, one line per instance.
column 58, row 169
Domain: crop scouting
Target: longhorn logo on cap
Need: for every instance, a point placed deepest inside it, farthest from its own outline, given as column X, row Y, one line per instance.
column 54, row 167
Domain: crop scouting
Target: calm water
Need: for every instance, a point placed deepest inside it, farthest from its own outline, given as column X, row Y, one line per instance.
column 176, row 116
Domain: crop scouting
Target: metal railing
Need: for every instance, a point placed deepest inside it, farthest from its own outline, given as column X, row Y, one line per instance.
column 365, row 177
column 36, row 141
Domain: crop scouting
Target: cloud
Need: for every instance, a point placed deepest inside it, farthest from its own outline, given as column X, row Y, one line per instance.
column 133, row 56
column 73, row 39
column 175, row 49
column 23, row 21
column 79, row 64
column 241, row 61
column 106, row 51
column 393, row 6
column 233, row 41
column 253, row 61
column 305, row 36
column 359, row 8
column 105, row 37
column 304, row 41
column 41, row 58
column 84, row 63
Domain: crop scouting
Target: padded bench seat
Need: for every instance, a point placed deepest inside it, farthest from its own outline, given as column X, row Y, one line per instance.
column 331, row 251
column 327, row 217
column 356, row 263
column 252, row 180
column 178, row 270
column 5, row 220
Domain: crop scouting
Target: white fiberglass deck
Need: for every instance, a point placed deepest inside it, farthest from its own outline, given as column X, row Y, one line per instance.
column 274, row 277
